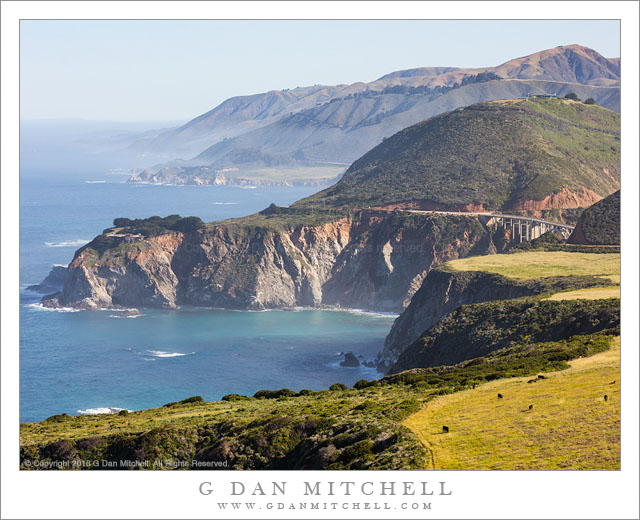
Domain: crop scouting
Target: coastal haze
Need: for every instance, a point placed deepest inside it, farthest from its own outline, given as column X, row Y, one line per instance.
column 323, row 263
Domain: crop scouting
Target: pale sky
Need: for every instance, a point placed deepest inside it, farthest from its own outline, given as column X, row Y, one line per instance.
column 176, row 70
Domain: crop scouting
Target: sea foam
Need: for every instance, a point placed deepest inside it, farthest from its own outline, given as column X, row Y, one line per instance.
column 165, row 354
column 67, row 243
column 40, row 307
column 97, row 411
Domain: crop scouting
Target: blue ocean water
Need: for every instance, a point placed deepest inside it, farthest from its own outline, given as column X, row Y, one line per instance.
column 71, row 361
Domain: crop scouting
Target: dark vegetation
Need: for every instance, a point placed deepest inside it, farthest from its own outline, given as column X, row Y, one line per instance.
column 157, row 225
column 495, row 154
column 422, row 89
column 145, row 227
column 600, row 223
column 472, row 331
column 551, row 241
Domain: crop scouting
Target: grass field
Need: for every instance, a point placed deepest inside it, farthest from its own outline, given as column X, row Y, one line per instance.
column 570, row 427
column 541, row 264
column 299, row 173
column 593, row 293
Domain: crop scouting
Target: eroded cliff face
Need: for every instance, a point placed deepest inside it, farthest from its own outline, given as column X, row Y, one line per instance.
column 444, row 290
column 376, row 260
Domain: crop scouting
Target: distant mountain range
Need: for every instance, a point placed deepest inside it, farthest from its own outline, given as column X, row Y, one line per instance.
column 331, row 126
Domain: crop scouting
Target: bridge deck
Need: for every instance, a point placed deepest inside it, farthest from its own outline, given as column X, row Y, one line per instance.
column 495, row 215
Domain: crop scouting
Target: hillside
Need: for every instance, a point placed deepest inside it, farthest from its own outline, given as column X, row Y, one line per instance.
column 334, row 125
column 473, row 331
column 599, row 224
column 486, row 433
column 524, row 154
column 501, row 278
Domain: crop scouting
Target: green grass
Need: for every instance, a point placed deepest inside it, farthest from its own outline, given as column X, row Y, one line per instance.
column 297, row 174
column 543, row 264
column 569, row 427
column 592, row 293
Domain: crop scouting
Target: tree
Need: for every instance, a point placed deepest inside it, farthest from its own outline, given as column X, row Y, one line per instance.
column 572, row 95
column 590, row 101
column 122, row 222
column 188, row 224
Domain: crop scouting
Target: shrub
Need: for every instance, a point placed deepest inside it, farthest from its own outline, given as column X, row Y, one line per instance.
column 234, row 397
column 338, row 387
column 57, row 418
column 306, row 391
column 274, row 394
column 193, row 399
column 362, row 383
column 123, row 412
column 572, row 95
column 590, row 101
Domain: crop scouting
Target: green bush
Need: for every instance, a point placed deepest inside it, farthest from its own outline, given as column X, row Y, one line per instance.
column 338, row 387
column 193, row 399
column 274, row 394
column 234, row 397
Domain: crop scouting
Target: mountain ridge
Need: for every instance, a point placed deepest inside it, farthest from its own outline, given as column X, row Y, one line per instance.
column 339, row 123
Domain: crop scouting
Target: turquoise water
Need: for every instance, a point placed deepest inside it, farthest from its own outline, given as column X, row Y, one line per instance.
column 72, row 361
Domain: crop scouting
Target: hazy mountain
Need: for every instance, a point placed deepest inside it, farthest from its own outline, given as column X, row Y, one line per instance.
column 318, row 125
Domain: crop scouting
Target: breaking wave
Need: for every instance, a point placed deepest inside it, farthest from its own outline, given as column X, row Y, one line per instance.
column 96, row 411
column 165, row 354
column 40, row 307
column 67, row 243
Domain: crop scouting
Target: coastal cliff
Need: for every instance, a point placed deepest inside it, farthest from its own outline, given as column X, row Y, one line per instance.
column 369, row 260
column 444, row 290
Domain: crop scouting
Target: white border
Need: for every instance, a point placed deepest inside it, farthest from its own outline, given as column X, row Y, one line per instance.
column 175, row 495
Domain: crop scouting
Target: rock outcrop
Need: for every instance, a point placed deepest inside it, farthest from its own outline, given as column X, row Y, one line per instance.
column 445, row 290
column 373, row 260
column 54, row 281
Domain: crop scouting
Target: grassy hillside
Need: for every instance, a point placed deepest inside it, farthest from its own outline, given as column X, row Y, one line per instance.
column 542, row 264
column 570, row 426
column 600, row 223
column 592, row 293
column 496, row 154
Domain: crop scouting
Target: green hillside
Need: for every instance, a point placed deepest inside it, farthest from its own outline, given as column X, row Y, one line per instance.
column 495, row 154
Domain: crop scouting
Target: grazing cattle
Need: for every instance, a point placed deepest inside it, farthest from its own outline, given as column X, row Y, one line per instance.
column 532, row 381
column 530, row 407
column 613, row 382
column 445, row 429
column 606, row 397
column 499, row 396
column 474, row 386
column 540, row 376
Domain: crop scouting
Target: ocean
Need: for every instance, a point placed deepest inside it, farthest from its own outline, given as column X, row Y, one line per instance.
column 87, row 361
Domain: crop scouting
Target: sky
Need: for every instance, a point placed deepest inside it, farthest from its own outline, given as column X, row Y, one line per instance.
column 160, row 70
